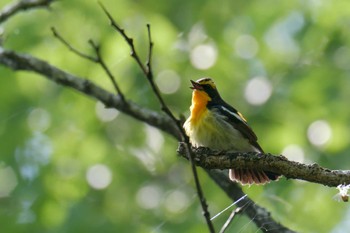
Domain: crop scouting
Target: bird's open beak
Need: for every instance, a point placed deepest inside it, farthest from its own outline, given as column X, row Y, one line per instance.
column 196, row 86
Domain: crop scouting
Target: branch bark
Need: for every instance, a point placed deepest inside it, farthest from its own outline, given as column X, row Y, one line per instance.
column 14, row 8
column 22, row 62
column 210, row 159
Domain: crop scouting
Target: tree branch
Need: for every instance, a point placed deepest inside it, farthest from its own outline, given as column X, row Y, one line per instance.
column 15, row 7
column 209, row 159
column 16, row 61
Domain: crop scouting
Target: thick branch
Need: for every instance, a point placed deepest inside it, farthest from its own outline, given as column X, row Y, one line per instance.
column 209, row 159
column 14, row 8
column 16, row 61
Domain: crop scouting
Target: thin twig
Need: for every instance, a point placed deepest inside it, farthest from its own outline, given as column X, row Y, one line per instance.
column 150, row 50
column 106, row 69
column 123, row 34
column 147, row 70
column 98, row 59
column 71, row 48
column 149, row 75
column 230, row 219
column 14, row 8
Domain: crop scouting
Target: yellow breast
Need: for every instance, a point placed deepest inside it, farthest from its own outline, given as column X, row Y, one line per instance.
column 210, row 129
column 197, row 123
column 199, row 106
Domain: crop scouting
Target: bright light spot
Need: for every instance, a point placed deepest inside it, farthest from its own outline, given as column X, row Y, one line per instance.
column 39, row 120
column 154, row 138
column 36, row 153
column 258, row 90
column 148, row 197
column 147, row 157
column 176, row 202
column 29, row 171
column 168, row 81
column 8, row 181
column 280, row 37
column 203, row 56
column 105, row 114
column 319, row 132
column 99, row 176
column 197, row 34
column 246, row 46
column 26, row 215
column 294, row 153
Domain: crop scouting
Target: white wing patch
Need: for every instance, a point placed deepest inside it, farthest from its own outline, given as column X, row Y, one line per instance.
column 239, row 116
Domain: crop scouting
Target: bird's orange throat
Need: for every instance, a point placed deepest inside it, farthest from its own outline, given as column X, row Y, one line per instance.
column 199, row 105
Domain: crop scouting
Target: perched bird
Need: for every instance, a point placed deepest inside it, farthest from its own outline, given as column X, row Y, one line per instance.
column 217, row 125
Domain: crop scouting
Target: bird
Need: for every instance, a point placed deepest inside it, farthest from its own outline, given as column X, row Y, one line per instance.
column 215, row 124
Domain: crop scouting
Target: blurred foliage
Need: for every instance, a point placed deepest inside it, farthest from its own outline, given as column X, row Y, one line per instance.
column 68, row 165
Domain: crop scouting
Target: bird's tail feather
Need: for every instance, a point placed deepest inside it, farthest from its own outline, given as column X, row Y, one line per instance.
column 248, row 176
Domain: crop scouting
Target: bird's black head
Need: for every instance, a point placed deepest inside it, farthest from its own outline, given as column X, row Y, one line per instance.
column 208, row 86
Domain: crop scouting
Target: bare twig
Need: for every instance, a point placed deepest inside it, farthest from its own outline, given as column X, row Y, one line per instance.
column 230, row 219
column 147, row 70
column 259, row 215
column 150, row 50
column 106, row 69
column 71, row 48
column 129, row 40
column 98, row 59
column 15, row 7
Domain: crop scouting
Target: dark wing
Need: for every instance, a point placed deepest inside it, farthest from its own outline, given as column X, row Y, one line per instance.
column 237, row 120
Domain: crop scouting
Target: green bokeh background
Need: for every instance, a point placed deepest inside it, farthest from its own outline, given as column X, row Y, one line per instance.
column 51, row 136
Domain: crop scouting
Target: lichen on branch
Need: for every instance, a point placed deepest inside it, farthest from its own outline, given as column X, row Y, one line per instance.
column 210, row 159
